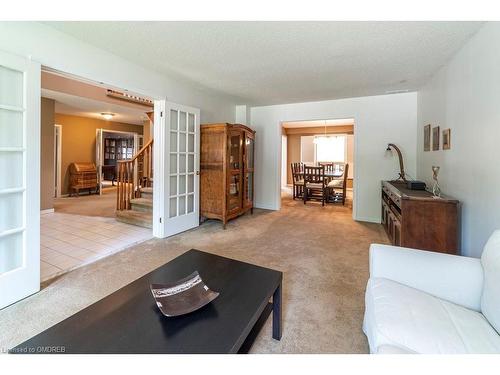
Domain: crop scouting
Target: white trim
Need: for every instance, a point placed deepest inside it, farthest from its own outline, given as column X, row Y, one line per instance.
column 159, row 201
column 47, row 211
column 278, row 162
column 58, row 158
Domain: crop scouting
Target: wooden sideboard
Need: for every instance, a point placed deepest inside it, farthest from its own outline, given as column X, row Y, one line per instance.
column 227, row 171
column 417, row 219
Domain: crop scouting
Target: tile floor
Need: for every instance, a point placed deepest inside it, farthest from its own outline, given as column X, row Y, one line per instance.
column 69, row 241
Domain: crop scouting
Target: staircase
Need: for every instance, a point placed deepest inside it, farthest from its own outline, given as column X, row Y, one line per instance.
column 141, row 210
column 134, row 196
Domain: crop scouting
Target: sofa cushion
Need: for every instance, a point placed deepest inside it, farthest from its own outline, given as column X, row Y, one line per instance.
column 490, row 300
column 414, row 321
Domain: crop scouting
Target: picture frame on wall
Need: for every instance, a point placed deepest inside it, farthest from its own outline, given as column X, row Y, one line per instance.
column 427, row 137
column 446, row 139
column 435, row 138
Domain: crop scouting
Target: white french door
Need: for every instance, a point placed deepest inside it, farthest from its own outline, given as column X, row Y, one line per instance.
column 176, row 192
column 20, row 182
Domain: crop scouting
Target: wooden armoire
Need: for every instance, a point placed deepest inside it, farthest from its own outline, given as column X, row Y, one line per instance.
column 227, row 171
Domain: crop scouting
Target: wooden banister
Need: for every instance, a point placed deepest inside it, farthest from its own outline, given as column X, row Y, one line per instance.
column 132, row 175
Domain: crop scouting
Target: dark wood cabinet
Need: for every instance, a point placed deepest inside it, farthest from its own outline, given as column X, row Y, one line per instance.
column 227, row 171
column 417, row 219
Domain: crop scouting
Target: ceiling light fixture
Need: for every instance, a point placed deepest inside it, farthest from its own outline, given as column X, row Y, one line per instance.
column 107, row 116
column 319, row 139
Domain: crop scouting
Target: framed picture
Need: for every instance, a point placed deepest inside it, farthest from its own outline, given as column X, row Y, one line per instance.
column 435, row 138
column 446, row 139
column 427, row 137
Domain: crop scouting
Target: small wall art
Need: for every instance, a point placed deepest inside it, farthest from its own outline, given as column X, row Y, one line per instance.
column 446, row 139
column 435, row 138
column 427, row 137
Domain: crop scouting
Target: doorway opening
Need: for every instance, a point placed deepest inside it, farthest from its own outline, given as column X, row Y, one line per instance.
column 328, row 143
column 87, row 131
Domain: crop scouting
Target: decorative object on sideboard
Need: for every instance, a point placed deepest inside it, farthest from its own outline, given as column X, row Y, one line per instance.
column 183, row 296
column 427, row 137
column 402, row 175
column 436, row 190
column 435, row 138
column 446, row 139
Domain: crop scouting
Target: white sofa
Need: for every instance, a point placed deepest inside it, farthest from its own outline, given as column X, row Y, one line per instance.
column 425, row 302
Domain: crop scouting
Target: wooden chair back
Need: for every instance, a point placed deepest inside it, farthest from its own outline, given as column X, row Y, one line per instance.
column 297, row 171
column 314, row 175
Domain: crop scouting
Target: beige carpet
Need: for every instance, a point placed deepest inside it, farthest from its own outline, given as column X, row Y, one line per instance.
column 88, row 205
column 322, row 252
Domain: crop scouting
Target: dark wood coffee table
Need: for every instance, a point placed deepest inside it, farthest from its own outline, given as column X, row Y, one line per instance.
column 128, row 320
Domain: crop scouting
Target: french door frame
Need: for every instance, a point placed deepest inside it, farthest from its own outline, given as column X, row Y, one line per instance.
column 164, row 223
column 22, row 281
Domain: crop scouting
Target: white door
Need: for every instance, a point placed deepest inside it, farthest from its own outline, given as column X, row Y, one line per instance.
column 20, row 182
column 176, row 204
column 99, row 157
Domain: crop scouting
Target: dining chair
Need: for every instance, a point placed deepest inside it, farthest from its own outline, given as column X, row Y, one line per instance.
column 297, row 179
column 338, row 184
column 314, row 184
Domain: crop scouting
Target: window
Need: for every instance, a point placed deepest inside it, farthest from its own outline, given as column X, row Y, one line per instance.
column 330, row 148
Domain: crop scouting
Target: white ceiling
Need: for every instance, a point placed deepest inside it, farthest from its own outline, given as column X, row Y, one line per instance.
column 79, row 106
column 285, row 62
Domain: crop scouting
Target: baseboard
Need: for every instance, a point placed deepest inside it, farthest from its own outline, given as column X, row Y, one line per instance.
column 47, row 211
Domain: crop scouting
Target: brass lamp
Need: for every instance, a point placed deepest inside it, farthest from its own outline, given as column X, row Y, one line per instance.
column 402, row 176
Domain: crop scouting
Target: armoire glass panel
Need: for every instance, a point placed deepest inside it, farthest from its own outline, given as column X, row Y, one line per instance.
column 11, row 89
column 11, row 128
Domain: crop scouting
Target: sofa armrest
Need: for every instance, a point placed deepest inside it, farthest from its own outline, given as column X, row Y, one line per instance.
column 453, row 278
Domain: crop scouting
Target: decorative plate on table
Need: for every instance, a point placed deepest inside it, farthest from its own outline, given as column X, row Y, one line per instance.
column 183, row 296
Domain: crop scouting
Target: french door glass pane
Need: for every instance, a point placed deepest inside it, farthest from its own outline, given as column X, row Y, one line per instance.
column 182, row 142
column 190, row 183
column 190, row 163
column 182, row 163
column 190, row 203
column 173, row 185
column 182, row 121
column 173, row 207
column 11, row 165
column 182, row 205
column 11, row 254
column 173, row 120
column 11, row 128
column 191, row 123
column 11, row 87
column 173, row 141
column 190, row 142
column 11, row 211
column 182, row 184
column 173, row 163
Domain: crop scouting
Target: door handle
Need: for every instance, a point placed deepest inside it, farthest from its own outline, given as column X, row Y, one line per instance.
column 197, row 173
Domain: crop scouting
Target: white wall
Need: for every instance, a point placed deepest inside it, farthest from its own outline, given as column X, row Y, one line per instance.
column 378, row 121
column 68, row 54
column 465, row 97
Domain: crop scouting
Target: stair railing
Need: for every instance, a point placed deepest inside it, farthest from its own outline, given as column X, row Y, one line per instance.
column 132, row 175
